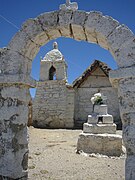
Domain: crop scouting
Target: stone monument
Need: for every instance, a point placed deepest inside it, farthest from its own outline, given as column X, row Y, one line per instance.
column 99, row 133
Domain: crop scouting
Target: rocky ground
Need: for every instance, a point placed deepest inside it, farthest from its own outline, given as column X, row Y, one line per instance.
column 53, row 157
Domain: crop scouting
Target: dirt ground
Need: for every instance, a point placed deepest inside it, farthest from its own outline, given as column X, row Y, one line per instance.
column 53, row 157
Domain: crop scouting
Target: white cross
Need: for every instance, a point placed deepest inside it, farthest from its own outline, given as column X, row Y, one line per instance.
column 72, row 6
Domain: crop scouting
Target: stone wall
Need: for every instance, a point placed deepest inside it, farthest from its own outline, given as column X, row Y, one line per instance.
column 53, row 105
column 94, row 83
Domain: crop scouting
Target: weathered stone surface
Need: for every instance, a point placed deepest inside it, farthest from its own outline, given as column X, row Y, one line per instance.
column 79, row 18
column 119, row 74
column 126, row 91
column 106, row 144
column 100, row 109
column 53, row 106
column 119, row 37
column 128, row 119
column 107, row 119
column 99, row 128
column 130, row 170
column 22, row 44
column 14, row 63
column 64, row 23
column 49, row 23
column 122, row 46
column 33, row 28
column 13, row 132
column 101, row 26
column 92, row 119
column 129, row 139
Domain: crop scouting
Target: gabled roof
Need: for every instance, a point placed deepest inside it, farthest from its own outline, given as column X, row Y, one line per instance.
column 90, row 70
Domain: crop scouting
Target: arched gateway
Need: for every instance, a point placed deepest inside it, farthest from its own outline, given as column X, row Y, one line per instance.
column 15, row 81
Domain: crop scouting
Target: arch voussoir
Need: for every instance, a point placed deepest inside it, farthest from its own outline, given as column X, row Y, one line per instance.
column 100, row 27
column 126, row 54
column 119, row 37
column 122, row 46
column 49, row 23
column 35, row 32
column 78, row 21
column 22, row 44
column 64, row 23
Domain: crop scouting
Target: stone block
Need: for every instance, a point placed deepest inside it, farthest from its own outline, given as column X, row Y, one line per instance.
column 126, row 52
column 128, row 119
column 65, row 19
column 101, row 25
column 35, row 32
column 107, row 119
column 79, row 18
column 79, row 33
column 106, row 144
column 130, row 170
column 91, row 36
column 41, row 38
column 99, row 128
column 121, row 73
column 129, row 138
column 49, row 23
column 92, row 119
column 120, row 35
column 48, row 20
column 22, row 44
column 100, row 109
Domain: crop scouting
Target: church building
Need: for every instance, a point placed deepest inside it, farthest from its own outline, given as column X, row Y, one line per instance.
column 60, row 105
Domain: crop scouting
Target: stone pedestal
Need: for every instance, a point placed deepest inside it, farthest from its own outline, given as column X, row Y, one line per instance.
column 106, row 144
column 99, row 134
column 100, row 109
column 99, row 128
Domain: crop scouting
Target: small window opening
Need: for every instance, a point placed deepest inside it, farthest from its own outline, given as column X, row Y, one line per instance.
column 52, row 73
column 100, row 119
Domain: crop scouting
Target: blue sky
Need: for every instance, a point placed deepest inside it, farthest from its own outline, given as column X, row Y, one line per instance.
column 79, row 55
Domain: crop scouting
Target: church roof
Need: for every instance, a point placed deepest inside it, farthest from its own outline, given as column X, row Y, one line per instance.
column 90, row 70
column 54, row 55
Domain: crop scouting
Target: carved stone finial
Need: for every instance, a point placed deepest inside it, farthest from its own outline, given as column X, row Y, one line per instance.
column 55, row 45
column 69, row 6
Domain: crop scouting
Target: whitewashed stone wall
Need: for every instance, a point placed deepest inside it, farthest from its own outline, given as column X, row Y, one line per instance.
column 98, row 81
column 53, row 105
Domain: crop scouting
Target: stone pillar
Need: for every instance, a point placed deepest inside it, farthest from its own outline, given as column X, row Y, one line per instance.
column 14, row 99
column 13, row 133
column 124, row 79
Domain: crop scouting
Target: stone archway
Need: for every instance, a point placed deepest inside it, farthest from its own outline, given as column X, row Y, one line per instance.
column 15, row 81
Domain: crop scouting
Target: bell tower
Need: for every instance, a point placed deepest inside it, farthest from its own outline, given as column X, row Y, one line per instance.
column 53, row 106
column 53, row 65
